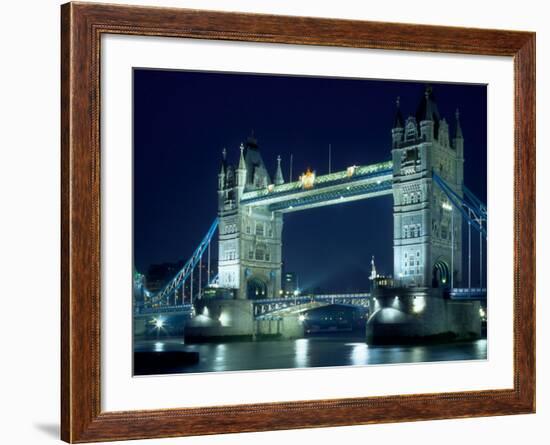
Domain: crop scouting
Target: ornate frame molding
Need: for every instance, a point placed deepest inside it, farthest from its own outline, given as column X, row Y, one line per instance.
column 82, row 25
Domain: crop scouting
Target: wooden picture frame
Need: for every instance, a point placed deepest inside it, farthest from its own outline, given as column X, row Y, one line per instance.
column 82, row 26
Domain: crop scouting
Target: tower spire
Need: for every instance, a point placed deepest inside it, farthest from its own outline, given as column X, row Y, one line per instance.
column 458, row 134
column 223, row 171
column 242, row 164
column 398, row 121
column 279, row 173
column 224, row 161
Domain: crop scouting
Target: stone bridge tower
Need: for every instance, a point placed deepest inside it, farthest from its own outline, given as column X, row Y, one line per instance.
column 249, row 250
column 423, row 219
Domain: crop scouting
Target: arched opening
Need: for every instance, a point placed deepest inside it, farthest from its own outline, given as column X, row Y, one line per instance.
column 441, row 276
column 256, row 289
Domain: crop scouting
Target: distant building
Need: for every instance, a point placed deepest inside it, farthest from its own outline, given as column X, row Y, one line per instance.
column 139, row 289
column 290, row 284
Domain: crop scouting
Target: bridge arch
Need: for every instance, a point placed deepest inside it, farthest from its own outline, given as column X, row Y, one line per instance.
column 256, row 288
column 441, row 274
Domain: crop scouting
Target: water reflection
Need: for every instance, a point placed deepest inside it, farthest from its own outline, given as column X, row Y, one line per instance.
column 301, row 347
column 309, row 352
column 359, row 353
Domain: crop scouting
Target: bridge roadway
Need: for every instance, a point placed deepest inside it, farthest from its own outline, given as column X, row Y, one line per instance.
column 270, row 306
column 279, row 306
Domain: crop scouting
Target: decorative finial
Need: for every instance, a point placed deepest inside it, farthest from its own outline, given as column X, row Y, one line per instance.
column 242, row 163
column 397, row 101
column 279, row 174
column 458, row 134
column 224, row 153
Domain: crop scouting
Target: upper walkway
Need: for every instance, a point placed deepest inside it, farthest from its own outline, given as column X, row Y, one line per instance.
column 356, row 182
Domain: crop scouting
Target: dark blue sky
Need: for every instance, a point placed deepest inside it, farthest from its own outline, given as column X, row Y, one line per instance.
column 182, row 120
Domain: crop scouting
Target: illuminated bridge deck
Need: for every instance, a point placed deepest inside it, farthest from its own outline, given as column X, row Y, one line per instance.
column 358, row 182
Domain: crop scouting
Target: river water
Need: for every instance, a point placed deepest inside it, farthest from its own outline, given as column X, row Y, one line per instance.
column 308, row 352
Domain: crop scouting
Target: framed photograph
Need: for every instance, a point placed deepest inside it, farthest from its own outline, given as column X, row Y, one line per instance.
column 275, row 222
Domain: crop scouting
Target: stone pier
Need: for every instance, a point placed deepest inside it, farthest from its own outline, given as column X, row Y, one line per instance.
column 416, row 315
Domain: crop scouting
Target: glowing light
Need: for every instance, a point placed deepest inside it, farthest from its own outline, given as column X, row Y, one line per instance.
column 419, row 303
column 447, row 206
column 302, row 317
column 225, row 319
column 481, row 312
column 206, row 312
column 351, row 170
column 395, row 303
column 297, row 292
column 308, row 179
column 159, row 323
column 159, row 346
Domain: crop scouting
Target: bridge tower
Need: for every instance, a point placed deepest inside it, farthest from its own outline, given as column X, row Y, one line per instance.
column 427, row 232
column 250, row 245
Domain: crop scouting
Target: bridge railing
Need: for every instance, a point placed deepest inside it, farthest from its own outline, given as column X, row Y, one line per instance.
column 474, row 293
column 181, row 308
column 269, row 305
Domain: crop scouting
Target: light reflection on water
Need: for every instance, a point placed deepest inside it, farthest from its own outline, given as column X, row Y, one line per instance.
column 308, row 352
column 301, row 348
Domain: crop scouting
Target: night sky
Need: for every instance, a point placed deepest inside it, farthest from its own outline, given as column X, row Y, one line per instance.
column 182, row 120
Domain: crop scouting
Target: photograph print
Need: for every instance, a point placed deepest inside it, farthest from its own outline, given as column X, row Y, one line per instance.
column 287, row 222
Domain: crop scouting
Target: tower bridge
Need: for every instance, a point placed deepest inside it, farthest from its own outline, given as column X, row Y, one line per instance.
column 425, row 177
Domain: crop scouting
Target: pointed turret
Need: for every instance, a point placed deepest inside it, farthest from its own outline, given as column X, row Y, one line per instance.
column 242, row 164
column 398, row 124
column 241, row 169
column 458, row 134
column 458, row 140
column 279, row 173
column 427, row 115
column 223, row 170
